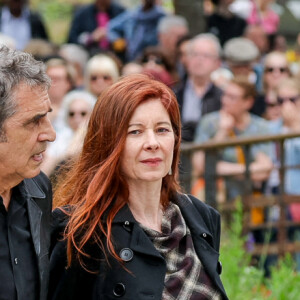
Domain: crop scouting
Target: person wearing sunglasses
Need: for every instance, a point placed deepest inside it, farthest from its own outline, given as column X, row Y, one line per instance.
column 101, row 72
column 288, row 100
column 76, row 109
column 156, row 63
column 276, row 69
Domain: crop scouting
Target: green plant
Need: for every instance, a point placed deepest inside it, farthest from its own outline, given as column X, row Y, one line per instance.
column 284, row 282
column 241, row 281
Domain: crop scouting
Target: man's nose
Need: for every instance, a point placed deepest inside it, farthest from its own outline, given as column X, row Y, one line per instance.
column 48, row 134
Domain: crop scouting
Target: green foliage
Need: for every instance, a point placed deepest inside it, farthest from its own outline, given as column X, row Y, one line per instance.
column 285, row 282
column 243, row 281
column 54, row 10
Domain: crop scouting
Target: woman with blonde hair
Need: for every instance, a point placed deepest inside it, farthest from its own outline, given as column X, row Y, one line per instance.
column 101, row 71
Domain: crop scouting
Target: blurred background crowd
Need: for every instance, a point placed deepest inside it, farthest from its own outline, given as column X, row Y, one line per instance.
column 233, row 68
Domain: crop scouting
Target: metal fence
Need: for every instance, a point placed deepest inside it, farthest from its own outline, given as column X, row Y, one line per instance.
column 249, row 200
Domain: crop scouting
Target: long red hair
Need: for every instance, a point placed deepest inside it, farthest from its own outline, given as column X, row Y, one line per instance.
column 95, row 185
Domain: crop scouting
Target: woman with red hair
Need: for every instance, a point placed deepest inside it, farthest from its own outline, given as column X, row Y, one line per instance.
column 123, row 228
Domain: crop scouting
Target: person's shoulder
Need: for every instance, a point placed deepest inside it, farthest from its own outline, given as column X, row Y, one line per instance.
column 260, row 122
column 117, row 8
column 214, row 91
column 61, row 216
column 85, row 9
column 211, row 117
column 205, row 210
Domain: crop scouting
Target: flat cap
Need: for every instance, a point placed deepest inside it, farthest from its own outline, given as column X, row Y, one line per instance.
column 240, row 50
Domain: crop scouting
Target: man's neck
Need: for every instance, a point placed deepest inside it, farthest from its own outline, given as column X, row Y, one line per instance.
column 200, row 85
column 6, row 196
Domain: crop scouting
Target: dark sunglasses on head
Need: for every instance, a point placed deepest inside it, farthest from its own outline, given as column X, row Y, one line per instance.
column 82, row 113
column 272, row 69
column 104, row 77
column 280, row 100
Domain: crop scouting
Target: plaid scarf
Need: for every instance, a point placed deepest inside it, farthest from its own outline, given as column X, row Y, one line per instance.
column 186, row 279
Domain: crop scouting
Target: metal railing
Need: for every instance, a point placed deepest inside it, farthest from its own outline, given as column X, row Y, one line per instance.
column 282, row 200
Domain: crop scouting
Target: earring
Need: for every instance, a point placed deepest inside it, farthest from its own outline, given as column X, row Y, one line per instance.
column 170, row 171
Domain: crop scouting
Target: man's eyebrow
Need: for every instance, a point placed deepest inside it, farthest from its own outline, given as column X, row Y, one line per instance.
column 37, row 117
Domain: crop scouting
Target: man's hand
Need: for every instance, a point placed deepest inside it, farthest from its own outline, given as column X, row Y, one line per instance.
column 226, row 125
column 290, row 115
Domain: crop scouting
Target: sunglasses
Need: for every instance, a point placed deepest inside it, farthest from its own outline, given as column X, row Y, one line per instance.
column 280, row 100
column 73, row 113
column 275, row 104
column 103, row 77
column 156, row 60
column 273, row 69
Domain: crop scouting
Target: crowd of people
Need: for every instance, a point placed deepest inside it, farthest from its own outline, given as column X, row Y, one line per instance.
column 235, row 79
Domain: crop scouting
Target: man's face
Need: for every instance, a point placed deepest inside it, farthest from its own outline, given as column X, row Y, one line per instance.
column 169, row 39
column 60, row 85
column 202, row 58
column 26, row 134
column 234, row 101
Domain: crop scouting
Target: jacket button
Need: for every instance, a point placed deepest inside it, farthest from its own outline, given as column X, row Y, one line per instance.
column 119, row 290
column 219, row 267
column 127, row 226
column 126, row 254
column 204, row 235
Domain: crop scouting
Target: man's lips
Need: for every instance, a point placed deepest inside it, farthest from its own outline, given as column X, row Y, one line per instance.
column 39, row 156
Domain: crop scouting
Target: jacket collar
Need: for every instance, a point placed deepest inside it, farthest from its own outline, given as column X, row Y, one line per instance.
column 33, row 189
column 194, row 220
column 33, row 193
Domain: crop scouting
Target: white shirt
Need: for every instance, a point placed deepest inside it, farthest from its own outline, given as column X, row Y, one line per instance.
column 17, row 28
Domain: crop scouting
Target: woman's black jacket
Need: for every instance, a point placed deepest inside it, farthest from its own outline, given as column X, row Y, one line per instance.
column 146, row 268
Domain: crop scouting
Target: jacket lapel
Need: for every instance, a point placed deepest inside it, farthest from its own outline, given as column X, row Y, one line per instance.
column 202, row 239
column 34, row 193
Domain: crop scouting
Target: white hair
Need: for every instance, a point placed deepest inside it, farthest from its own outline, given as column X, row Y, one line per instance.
column 75, row 95
column 206, row 37
column 75, row 54
column 168, row 22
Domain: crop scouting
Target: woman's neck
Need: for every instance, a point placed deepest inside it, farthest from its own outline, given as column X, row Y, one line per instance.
column 145, row 205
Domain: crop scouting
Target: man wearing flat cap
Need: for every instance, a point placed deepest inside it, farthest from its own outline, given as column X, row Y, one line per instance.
column 241, row 56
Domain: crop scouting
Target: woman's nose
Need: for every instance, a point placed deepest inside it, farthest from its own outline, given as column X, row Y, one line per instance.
column 151, row 141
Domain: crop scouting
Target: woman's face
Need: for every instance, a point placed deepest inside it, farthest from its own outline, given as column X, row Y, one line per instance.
column 78, row 113
column 99, row 82
column 276, row 69
column 148, row 151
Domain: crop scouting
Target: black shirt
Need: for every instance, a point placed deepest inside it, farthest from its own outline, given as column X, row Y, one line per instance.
column 19, row 279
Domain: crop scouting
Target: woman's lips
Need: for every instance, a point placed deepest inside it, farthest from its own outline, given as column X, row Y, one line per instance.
column 152, row 161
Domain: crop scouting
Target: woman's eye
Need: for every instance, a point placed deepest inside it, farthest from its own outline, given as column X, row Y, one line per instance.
column 162, row 129
column 134, row 132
